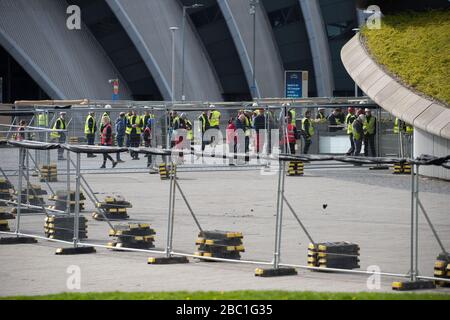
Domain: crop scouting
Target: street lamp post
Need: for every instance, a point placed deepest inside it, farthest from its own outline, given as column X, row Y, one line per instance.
column 253, row 4
column 185, row 8
column 173, row 30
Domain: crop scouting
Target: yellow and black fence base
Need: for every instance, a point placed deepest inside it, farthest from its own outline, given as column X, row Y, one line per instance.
column 17, row 240
column 114, row 207
column 338, row 255
column 442, row 269
column 34, row 195
column 167, row 260
column 413, row 285
column 402, row 168
column 62, row 227
column 132, row 235
column 278, row 272
column 75, row 250
column 60, row 199
column 165, row 170
column 48, row 173
column 219, row 244
column 295, row 168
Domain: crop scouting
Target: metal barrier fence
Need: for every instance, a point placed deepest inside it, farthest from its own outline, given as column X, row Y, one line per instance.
column 328, row 139
column 175, row 186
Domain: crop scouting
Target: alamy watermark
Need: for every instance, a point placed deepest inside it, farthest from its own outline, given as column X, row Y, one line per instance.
column 374, row 281
column 374, row 20
column 73, row 281
column 73, row 21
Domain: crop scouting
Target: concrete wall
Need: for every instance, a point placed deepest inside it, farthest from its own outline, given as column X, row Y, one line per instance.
column 67, row 64
column 431, row 120
column 426, row 143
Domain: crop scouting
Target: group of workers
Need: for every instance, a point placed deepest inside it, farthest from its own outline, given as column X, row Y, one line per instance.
column 131, row 129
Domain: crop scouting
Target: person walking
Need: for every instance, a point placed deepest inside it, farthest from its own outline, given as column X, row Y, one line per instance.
column 290, row 136
column 231, row 140
column 348, row 122
column 60, row 124
column 214, row 123
column 90, row 128
column 370, row 130
column 259, row 124
column 106, row 140
column 147, row 138
column 204, row 126
column 134, row 130
column 358, row 133
column 120, row 127
column 308, row 131
column 240, row 126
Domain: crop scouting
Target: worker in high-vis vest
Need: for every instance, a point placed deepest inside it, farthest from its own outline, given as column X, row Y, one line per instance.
column 370, row 130
column 405, row 132
column 214, row 123
column 42, row 122
column 204, row 126
column 90, row 128
column 308, row 131
column 358, row 132
column 293, row 116
column 174, row 125
column 60, row 124
column 348, row 123
column 133, row 131
column 321, row 116
column 127, row 120
column 190, row 135
column 403, row 127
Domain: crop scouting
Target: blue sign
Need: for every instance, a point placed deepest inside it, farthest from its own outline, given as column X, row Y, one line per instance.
column 293, row 84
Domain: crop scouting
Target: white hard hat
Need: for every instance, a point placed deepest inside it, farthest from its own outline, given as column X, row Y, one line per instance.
column 212, row 106
column 255, row 105
column 108, row 106
column 367, row 110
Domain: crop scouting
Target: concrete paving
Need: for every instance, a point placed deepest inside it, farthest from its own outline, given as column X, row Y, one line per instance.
column 371, row 208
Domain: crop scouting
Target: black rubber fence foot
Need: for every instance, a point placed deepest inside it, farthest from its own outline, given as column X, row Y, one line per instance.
column 17, row 240
column 275, row 272
column 413, row 285
column 167, row 260
column 77, row 250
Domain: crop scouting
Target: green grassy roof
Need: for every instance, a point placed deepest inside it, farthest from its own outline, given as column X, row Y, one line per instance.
column 416, row 48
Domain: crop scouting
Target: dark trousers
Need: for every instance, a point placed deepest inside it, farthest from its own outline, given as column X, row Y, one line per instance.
column 352, row 145
column 292, row 147
column 90, row 141
column 106, row 156
column 358, row 146
column 119, row 144
column 369, row 143
column 61, row 139
column 135, row 140
column 247, row 149
column 307, row 145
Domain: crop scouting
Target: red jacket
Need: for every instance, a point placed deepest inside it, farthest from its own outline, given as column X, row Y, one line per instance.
column 290, row 135
column 231, row 133
column 106, row 137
